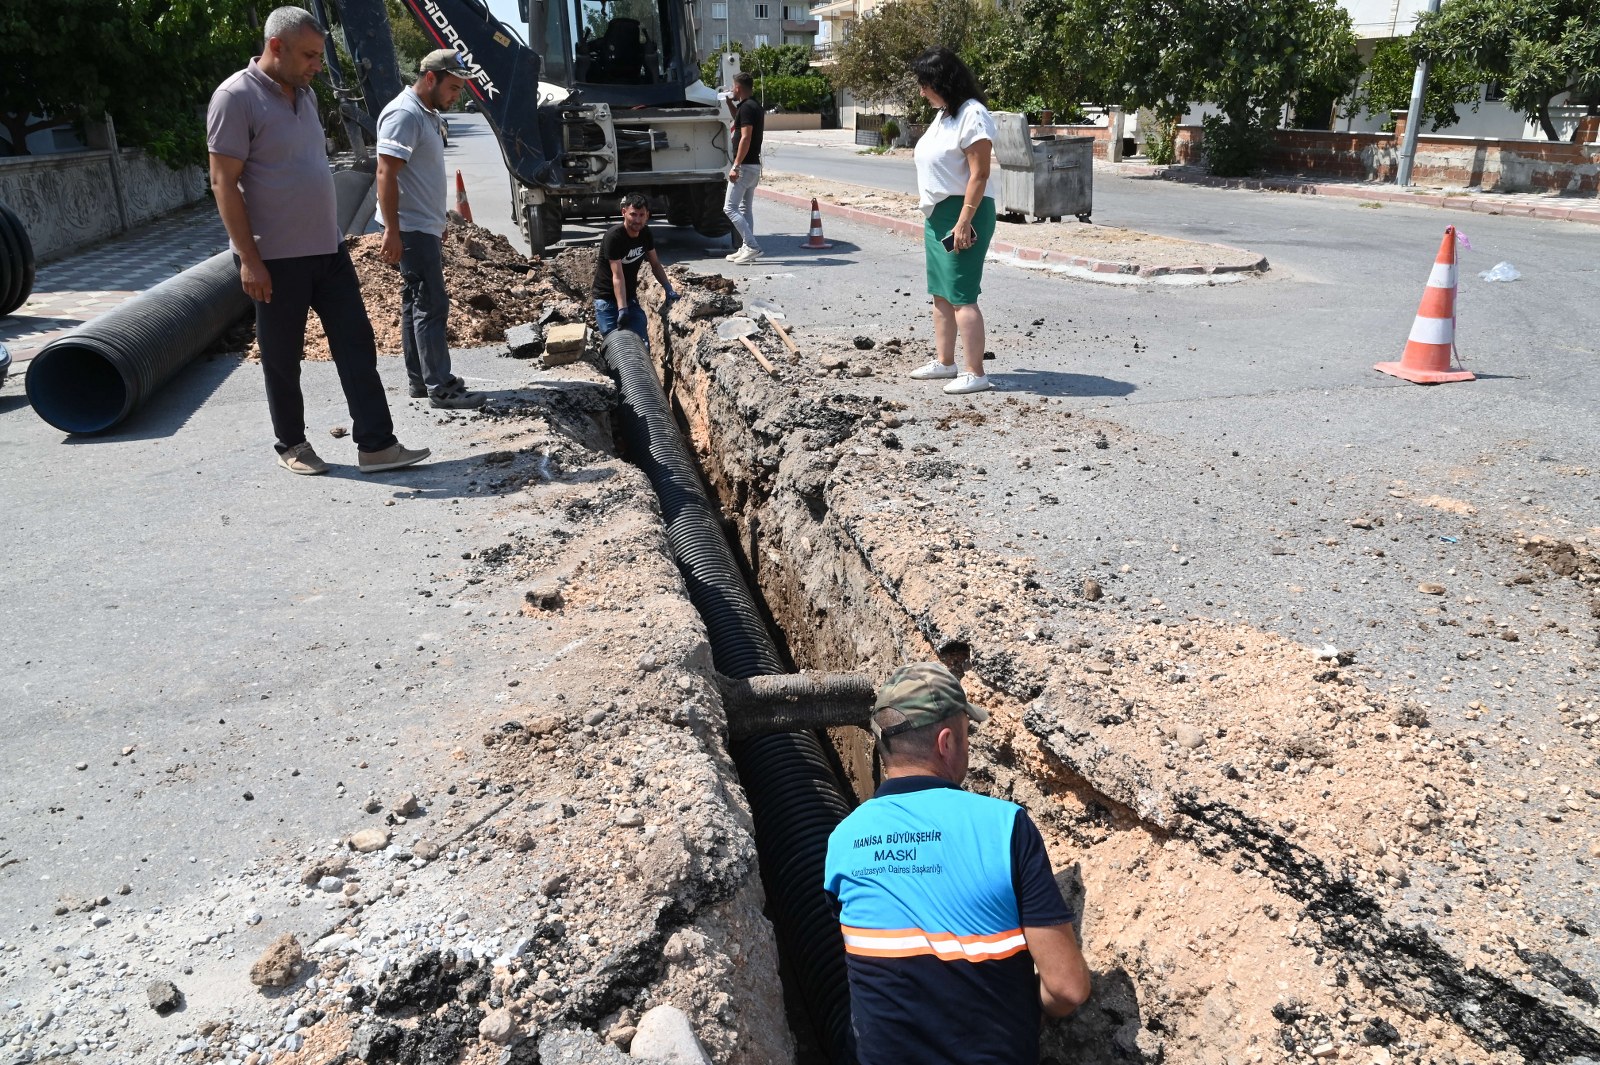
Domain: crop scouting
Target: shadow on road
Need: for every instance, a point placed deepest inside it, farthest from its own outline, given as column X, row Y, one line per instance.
column 1055, row 383
column 170, row 409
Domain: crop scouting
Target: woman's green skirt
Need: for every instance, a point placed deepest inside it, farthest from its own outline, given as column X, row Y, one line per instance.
column 957, row 275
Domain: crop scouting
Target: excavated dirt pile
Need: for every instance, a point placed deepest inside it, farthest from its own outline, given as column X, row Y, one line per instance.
column 492, row 287
column 1278, row 851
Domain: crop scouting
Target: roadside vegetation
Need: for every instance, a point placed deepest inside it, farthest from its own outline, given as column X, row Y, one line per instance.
column 1251, row 63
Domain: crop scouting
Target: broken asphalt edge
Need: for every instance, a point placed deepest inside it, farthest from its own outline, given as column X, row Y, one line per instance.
column 1022, row 252
column 1477, row 203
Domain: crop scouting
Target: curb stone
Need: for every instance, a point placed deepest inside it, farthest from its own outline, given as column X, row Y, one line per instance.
column 1021, row 252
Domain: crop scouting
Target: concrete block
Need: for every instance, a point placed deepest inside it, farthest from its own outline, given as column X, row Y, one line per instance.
column 525, row 341
column 568, row 336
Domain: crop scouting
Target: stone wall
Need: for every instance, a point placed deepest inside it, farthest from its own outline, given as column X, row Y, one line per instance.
column 1489, row 163
column 69, row 200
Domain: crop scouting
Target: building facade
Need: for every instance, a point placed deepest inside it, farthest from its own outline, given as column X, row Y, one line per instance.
column 753, row 23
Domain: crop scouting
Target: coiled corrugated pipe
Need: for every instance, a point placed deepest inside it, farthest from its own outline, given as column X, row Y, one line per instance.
column 16, row 262
column 92, row 378
column 793, row 794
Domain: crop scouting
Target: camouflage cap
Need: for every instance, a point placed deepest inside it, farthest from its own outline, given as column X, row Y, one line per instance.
column 445, row 61
column 922, row 693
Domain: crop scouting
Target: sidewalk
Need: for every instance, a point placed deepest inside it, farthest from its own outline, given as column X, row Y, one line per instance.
column 1551, row 206
column 70, row 291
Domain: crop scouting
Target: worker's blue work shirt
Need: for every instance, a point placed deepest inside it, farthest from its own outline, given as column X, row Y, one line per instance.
column 934, row 886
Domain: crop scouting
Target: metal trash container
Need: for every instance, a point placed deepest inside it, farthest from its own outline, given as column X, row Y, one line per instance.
column 1043, row 178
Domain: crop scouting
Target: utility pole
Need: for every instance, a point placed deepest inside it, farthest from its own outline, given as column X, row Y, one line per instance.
column 1408, row 144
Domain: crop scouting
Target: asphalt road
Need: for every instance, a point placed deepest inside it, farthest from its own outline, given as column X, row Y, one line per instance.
column 1247, row 426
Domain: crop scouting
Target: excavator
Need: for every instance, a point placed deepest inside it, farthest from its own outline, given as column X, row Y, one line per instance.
column 604, row 98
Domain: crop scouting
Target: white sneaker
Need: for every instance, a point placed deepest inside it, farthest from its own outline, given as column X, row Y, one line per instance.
column 933, row 370
column 968, row 382
column 733, row 256
column 747, row 254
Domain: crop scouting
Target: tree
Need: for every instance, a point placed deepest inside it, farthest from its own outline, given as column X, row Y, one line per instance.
column 1248, row 58
column 1388, row 86
column 1042, row 53
column 1535, row 49
column 874, row 62
column 410, row 43
column 150, row 64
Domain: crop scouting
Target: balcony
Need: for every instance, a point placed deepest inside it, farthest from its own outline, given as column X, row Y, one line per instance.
column 836, row 9
column 794, row 25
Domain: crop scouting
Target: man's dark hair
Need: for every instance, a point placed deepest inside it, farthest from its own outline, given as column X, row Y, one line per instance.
column 635, row 199
column 744, row 79
column 942, row 70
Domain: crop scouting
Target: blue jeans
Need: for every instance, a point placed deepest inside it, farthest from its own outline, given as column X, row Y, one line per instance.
column 632, row 319
column 424, row 308
column 739, row 204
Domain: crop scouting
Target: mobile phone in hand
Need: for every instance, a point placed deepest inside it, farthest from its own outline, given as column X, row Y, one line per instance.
column 949, row 241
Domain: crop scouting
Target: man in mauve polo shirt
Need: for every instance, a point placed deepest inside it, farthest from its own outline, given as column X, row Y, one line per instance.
column 274, row 190
column 956, row 937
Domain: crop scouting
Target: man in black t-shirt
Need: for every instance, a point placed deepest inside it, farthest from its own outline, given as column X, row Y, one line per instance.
column 745, row 174
column 616, row 271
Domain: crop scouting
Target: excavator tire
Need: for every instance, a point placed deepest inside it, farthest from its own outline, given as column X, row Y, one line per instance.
column 709, row 221
column 16, row 278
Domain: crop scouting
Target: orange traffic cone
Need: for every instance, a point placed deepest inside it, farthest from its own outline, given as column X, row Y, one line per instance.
column 815, row 241
column 463, row 208
column 1426, row 360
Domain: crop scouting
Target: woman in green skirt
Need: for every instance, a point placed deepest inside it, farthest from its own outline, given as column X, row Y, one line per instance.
column 957, row 196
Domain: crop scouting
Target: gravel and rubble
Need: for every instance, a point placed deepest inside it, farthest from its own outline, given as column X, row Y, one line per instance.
column 1283, row 849
column 572, row 854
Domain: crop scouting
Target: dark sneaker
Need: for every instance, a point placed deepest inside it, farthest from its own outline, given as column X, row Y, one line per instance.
column 302, row 460
column 393, row 457
column 419, row 390
column 458, row 399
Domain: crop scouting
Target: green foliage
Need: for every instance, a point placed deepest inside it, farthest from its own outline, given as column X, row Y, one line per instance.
column 1039, row 54
column 783, row 76
column 874, row 62
column 410, row 43
column 1535, row 49
column 1388, row 87
column 889, row 132
column 784, row 60
column 150, row 64
column 711, row 66
column 1234, row 146
column 807, row 92
column 1248, row 58
column 1161, row 141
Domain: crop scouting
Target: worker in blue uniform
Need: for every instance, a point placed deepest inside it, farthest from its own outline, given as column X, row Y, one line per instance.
column 956, row 936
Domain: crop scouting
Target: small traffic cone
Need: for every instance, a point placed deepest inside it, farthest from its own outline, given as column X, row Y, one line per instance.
column 463, row 208
column 815, row 241
column 1426, row 360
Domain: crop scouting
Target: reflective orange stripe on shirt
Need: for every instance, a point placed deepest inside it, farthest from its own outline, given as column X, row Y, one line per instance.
column 911, row 942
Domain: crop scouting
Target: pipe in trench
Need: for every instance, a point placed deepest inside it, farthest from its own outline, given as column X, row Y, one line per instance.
column 794, row 797
column 95, row 376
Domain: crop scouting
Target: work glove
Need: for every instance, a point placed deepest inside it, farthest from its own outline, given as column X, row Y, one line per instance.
column 672, row 295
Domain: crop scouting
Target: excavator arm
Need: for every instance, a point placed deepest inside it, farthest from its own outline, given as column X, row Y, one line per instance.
column 505, row 75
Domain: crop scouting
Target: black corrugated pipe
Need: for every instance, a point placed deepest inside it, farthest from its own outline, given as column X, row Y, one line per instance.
column 793, row 793
column 92, row 378
column 759, row 705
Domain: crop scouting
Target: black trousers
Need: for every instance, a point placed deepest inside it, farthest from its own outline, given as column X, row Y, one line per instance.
column 328, row 285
